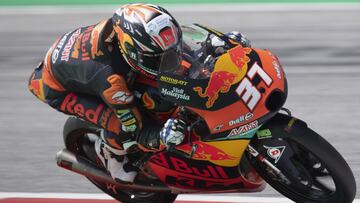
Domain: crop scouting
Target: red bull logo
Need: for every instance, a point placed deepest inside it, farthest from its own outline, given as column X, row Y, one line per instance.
column 94, row 41
column 229, row 69
column 208, row 152
column 220, row 81
column 73, row 106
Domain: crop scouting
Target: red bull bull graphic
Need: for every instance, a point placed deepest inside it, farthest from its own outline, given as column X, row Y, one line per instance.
column 221, row 153
column 229, row 69
column 208, row 152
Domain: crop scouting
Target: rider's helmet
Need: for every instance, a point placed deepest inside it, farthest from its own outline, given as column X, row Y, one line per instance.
column 148, row 37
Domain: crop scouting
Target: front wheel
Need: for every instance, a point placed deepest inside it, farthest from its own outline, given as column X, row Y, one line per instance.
column 302, row 166
column 79, row 137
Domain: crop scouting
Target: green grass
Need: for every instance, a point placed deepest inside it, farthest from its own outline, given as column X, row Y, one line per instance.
column 120, row 2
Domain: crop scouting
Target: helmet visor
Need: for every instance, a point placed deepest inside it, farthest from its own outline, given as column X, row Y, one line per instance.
column 168, row 60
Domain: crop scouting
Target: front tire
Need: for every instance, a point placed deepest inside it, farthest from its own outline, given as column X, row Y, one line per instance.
column 314, row 171
column 79, row 137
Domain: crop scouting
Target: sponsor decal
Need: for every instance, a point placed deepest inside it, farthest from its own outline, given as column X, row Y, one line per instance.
column 218, row 127
column 94, row 41
column 276, row 65
column 85, row 55
column 173, row 81
column 229, row 69
column 121, row 97
column 264, row 134
column 241, row 119
column 176, row 93
column 208, row 152
column 275, row 152
column 277, row 68
column 242, row 130
column 66, row 52
column 194, row 182
column 209, row 171
column 179, row 165
column 71, row 105
column 190, row 174
column 55, row 54
column 80, row 45
column 220, row 81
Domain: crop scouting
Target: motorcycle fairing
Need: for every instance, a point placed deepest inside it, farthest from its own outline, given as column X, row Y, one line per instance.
column 180, row 91
column 216, row 96
column 186, row 91
column 227, row 92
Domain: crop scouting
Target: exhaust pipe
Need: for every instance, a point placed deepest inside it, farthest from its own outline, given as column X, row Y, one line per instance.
column 82, row 166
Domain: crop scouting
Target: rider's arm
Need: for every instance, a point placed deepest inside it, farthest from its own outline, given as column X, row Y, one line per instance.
column 112, row 88
column 118, row 96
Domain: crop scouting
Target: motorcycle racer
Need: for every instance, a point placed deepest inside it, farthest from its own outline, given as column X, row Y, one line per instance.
column 89, row 73
column 93, row 72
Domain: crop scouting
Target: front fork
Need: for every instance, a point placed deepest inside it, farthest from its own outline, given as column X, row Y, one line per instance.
column 273, row 169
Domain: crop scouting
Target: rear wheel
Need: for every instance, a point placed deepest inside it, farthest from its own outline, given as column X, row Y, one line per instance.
column 79, row 138
column 312, row 171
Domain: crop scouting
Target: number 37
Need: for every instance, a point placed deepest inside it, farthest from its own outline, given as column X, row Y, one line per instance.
column 247, row 91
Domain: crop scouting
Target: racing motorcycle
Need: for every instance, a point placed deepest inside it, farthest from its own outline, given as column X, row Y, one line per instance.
column 239, row 136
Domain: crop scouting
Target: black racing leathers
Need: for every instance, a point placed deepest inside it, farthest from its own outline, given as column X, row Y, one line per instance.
column 84, row 74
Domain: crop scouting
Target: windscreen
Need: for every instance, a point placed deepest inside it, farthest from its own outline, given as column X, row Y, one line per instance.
column 200, row 51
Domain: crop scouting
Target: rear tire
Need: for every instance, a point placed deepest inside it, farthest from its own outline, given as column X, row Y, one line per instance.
column 77, row 140
column 311, row 156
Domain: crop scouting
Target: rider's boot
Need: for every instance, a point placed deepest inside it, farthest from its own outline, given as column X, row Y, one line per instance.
column 115, row 161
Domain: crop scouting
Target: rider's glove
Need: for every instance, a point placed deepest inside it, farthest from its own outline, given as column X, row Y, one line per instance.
column 173, row 132
column 240, row 38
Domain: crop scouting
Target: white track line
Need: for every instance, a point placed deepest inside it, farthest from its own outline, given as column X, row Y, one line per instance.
column 4, row 195
column 206, row 198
